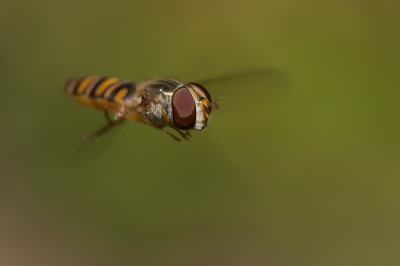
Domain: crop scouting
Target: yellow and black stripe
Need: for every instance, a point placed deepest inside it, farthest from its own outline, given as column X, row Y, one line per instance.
column 99, row 92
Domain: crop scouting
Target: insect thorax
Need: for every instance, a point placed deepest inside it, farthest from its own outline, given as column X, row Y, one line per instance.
column 154, row 97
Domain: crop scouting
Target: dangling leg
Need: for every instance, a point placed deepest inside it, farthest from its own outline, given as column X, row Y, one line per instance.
column 133, row 114
column 166, row 120
column 161, row 128
column 169, row 133
column 111, row 123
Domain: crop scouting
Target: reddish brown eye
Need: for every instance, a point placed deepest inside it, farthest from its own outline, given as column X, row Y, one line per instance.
column 183, row 109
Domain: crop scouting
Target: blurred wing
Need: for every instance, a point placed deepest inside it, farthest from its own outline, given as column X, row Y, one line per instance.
column 245, row 75
column 263, row 84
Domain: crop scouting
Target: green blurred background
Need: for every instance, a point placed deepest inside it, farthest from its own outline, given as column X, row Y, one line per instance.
column 298, row 167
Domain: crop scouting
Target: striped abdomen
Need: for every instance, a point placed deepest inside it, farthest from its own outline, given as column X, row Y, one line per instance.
column 98, row 92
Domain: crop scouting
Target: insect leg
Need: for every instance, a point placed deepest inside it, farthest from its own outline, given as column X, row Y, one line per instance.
column 161, row 128
column 111, row 123
column 169, row 133
column 168, row 123
column 134, row 114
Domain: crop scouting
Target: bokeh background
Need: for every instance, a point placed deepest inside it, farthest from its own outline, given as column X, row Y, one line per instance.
column 300, row 166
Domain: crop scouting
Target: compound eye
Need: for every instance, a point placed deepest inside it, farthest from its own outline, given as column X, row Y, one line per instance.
column 183, row 109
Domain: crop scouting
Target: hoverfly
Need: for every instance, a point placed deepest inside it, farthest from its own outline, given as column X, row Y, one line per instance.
column 159, row 103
